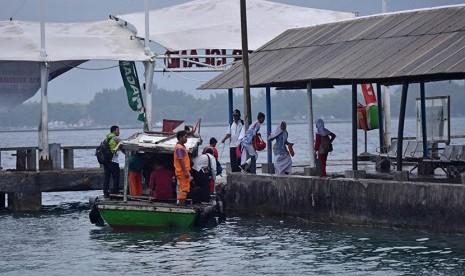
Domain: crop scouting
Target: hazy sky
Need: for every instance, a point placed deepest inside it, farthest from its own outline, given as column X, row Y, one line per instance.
column 80, row 86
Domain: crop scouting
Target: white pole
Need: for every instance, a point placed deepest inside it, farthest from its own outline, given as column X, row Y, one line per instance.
column 147, row 28
column 386, row 104
column 310, row 124
column 43, row 127
column 149, row 69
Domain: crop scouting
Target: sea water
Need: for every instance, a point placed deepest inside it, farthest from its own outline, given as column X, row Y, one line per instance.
column 59, row 240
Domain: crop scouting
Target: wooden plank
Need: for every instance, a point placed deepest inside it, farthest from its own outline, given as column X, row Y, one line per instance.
column 31, row 159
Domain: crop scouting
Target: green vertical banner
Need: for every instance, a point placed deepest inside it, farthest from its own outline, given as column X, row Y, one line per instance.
column 131, row 83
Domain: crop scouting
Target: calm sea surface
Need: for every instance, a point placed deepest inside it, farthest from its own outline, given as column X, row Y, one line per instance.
column 60, row 240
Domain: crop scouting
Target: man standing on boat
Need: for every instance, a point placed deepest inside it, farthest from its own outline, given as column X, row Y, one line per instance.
column 182, row 167
column 112, row 168
column 233, row 133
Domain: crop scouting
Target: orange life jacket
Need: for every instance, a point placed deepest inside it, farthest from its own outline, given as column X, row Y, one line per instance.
column 177, row 161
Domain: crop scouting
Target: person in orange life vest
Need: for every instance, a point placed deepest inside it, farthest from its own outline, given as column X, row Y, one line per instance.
column 323, row 140
column 135, row 165
column 160, row 181
column 182, row 166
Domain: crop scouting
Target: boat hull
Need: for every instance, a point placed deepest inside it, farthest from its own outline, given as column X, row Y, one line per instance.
column 127, row 215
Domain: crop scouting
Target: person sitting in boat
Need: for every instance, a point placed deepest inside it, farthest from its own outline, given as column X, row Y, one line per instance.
column 182, row 167
column 160, row 182
column 135, row 166
column 203, row 171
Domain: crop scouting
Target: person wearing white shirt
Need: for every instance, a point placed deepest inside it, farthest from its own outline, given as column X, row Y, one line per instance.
column 203, row 171
column 233, row 133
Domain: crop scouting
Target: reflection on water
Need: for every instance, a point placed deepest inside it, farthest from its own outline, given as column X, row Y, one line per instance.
column 60, row 241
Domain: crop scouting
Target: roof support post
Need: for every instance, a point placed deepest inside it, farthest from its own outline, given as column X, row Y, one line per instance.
column 423, row 120
column 354, row 127
column 268, row 126
column 245, row 64
column 149, row 69
column 400, row 131
column 230, row 105
column 126, row 171
column 311, row 134
column 380, row 118
column 387, row 116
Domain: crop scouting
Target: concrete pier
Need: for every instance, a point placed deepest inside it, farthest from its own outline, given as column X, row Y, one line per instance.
column 25, row 188
column 434, row 206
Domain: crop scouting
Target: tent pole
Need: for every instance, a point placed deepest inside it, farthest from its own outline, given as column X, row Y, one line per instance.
column 354, row 127
column 268, row 126
column 423, row 120
column 400, row 131
column 149, row 69
column 310, row 124
column 230, row 105
column 43, row 127
column 380, row 118
column 245, row 64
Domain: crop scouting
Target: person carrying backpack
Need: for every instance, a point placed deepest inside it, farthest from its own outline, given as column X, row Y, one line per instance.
column 323, row 144
column 111, row 165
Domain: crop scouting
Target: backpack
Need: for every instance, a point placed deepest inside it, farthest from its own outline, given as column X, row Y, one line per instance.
column 103, row 152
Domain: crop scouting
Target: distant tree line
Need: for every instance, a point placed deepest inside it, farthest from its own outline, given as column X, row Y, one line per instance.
column 110, row 106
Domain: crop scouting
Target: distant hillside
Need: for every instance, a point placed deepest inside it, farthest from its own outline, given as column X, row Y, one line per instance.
column 110, row 106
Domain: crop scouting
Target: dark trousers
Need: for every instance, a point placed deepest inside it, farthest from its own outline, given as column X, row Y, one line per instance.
column 111, row 169
column 235, row 162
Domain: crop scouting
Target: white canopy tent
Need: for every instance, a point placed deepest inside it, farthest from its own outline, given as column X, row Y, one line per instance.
column 67, row 45
column 216, row 24
column 32, row 53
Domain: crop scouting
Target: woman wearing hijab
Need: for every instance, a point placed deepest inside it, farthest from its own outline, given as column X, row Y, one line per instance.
column 283, row 160
column 323, row 143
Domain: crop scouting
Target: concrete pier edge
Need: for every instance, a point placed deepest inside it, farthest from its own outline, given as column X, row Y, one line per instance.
column 419, row 205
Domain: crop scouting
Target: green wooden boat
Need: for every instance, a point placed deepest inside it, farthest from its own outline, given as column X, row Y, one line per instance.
column 140, row 215
column 124, row 212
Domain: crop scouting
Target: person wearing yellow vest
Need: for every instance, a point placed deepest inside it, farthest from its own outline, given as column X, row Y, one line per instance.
column 182, row 167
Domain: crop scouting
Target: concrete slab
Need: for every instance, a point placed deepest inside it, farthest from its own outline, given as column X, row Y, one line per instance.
column 355, row 174
column 401, row 176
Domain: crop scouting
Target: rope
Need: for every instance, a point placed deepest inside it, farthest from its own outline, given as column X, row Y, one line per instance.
column 197, row 80
column 92, row 69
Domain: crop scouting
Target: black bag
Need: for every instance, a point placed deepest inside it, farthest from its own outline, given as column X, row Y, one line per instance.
column 219, row 168
column 103, row 152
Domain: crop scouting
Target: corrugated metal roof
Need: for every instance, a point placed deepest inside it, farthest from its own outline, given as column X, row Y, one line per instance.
column 420, row 45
